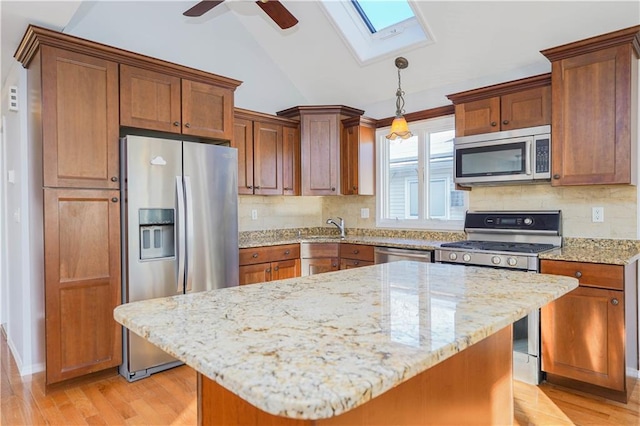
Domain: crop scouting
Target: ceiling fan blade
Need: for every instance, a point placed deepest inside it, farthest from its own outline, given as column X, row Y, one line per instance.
column 202, row 7
column 278, row 13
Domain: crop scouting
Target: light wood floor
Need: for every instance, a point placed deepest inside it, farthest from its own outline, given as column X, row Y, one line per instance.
column 169, row 398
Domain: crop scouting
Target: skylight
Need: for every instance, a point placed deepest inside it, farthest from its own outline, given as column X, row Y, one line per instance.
column 377, row 15
column 374, row 29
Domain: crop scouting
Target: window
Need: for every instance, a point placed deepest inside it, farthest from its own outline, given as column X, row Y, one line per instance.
column 415, row 179
column 374, row 29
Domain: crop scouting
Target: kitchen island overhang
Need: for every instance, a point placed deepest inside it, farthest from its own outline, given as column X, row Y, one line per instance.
column 316, row 347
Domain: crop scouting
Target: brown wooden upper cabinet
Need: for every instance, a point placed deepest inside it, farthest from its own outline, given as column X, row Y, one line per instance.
column 506, row 106
column 163, row 102
column 268, row 154
column 594, row 84
column 79, row 119
column 357, row 157
column 320, row 139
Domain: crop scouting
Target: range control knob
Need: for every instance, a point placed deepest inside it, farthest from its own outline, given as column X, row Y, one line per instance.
column 496, row 260
column 466, row 257
column 512, row 261
column 453, row 256
column 528, row 221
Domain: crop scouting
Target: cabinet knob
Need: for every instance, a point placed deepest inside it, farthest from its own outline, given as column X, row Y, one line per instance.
column 286, row 252
column 114, row 178
column 333, row 189
column 114, row 200
column 505, row 122
column 288, row 189
column 256, row 187
column 614, row 302
column 355, row 188
column 355, row 262
column 334, row 265
column 176, row 123
column 268, row 270
column 578, row 274
column 254, row 255
column 356, row 251
column 494, row 124
column 187, row 125
column 276, row 268
column 556, row 176
column 249, row 187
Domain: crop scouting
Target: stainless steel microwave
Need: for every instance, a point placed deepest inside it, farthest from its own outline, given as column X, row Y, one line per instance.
column 514, row 156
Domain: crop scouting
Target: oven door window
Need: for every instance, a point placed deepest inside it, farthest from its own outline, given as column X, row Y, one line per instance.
column 492, row 160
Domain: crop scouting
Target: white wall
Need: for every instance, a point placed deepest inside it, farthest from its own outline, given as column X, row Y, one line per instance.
column 22, row 281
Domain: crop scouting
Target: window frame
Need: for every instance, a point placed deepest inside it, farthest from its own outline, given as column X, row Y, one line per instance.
column 421, row 129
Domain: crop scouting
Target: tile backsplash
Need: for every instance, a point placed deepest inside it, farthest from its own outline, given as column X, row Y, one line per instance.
column 620, row 203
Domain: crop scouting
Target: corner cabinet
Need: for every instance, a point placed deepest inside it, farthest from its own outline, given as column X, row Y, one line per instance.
column 318, row 258
column 589, row 336
column 357, row 157
column 320, row 138
column 506, row 106
column 163, row 102
column 595, row 109
column 268, row 154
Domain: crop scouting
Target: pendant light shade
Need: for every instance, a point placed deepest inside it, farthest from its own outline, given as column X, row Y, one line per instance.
column 399, row 126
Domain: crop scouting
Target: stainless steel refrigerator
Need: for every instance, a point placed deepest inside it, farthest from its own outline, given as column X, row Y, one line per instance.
column 180, row 229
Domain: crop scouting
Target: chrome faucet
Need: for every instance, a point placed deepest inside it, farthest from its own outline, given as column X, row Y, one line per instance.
column 339, row 225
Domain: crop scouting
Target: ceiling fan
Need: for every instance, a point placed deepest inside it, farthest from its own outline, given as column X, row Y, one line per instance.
column 273, row 8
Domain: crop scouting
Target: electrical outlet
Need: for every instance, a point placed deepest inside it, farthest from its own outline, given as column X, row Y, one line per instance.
column 254, row 214
column 597, row 214
column 364, row 213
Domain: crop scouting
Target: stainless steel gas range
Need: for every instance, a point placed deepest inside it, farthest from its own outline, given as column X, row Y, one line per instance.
column 512, row 240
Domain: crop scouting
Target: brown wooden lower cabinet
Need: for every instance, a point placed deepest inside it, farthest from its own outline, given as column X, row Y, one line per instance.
column 355, row 255
column 584, row 333
column 82, row 281
column 262, row 264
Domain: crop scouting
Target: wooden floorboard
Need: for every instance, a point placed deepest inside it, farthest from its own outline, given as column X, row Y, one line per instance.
column 169, row 398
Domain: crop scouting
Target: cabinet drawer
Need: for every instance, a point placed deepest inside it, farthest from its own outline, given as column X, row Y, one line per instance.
column 588, row 274
column 309, row 250
column 250, row 256
column 356, row 251
column 353, row 263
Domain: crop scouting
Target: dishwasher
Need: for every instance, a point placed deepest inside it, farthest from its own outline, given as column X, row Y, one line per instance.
column 388, row 254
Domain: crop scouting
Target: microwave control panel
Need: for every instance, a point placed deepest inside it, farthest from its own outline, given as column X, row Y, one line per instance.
column 542, row 155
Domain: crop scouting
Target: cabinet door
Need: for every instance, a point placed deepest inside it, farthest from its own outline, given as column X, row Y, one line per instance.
column 243, row 140
column 527, row 108
column 320, row 147
column 349, row 160
column 285, row 269
column 591, row 118
column 79, row 120
column 290, row 161
column 583, row 337
column 319, row 265
column 207, row 110
column 267, row 158
column 258, row 273
column 149, row 100
column 82, row 282
column 482, row 116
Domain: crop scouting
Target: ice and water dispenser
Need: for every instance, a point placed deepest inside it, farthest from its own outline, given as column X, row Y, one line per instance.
column 156, row 233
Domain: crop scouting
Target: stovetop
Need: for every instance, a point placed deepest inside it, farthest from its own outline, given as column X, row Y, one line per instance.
column 500, row 246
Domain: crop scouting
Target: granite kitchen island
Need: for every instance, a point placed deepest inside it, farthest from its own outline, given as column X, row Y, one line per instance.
column 401, row 343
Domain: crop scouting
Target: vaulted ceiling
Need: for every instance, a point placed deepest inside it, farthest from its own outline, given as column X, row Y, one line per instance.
column 477, row 43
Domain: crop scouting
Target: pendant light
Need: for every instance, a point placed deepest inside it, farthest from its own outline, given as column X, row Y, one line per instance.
column 399, row 126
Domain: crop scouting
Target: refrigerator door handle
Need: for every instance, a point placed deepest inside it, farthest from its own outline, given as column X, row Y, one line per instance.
column 180, row 234
column 189, row 234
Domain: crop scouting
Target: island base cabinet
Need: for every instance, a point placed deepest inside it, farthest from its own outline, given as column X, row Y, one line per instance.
column 472, row 387
column 583, row 338
column 82, row 282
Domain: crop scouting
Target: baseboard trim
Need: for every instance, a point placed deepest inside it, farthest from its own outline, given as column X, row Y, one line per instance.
column 24, row 370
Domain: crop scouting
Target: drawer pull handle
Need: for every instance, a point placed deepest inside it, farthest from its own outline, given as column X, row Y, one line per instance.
column 556, row 176
column 614, row 302
column 254, row 255
column 276, row 268
column 505, row 122
column 176, row 123
column 288, row 189
column 287, row 252
column 494, row 124
column 578, row 274
column 187, row 125
column 355, row 262
column 114, row 200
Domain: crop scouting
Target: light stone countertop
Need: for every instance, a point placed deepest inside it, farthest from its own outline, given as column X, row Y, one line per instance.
column 318, row 346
